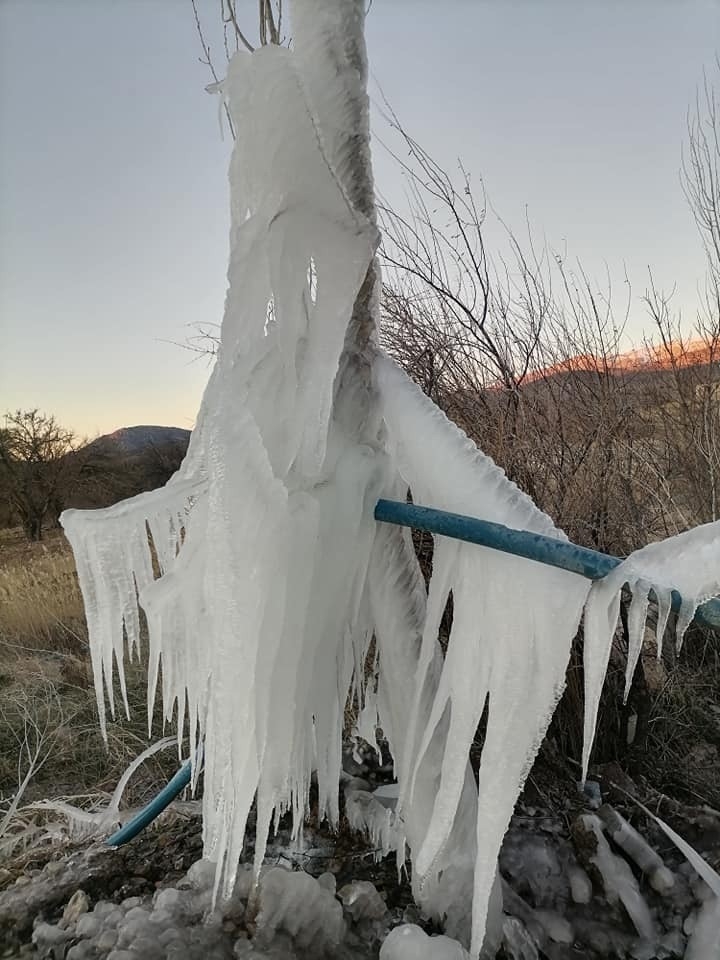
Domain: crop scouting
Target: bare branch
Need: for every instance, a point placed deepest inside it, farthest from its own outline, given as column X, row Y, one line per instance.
column 232, row 18
column 208, row 62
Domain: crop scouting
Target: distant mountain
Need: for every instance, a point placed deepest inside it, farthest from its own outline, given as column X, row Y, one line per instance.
column 131, row 441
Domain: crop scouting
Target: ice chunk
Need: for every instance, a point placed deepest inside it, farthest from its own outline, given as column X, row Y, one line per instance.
column 387, row 794
column 637, row 848
column 530, row 863
column 619, row 881
column 82, row 951
column 88, row 926
column 362, row 901
column 518, row 943
column 47, row 936
column 298, row 905
column 367, row 814
column 556, row 927
column 410, row 942
column 328, row 882
column 580, row 885
column 200, row 875
column 704, row 944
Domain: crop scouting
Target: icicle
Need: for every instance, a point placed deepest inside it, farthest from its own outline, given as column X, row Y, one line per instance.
column 688, row 563
column 513, row 625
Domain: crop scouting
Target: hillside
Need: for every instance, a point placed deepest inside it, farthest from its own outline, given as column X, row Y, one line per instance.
column 648, row 359
column 130, row 441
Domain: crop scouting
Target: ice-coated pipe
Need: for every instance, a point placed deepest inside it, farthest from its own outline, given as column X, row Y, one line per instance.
column 153, row 809
column 533, row 546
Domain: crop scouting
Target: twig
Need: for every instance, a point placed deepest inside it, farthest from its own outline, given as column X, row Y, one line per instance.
column 233, row 19
column 208, row 62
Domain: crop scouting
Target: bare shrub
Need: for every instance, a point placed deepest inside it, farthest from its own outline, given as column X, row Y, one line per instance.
column 523, row 350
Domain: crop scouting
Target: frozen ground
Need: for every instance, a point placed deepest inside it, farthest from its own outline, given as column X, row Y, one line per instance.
column 576, row 884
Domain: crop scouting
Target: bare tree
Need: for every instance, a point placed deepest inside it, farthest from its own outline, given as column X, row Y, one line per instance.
column 38, row 467
column 701, row 178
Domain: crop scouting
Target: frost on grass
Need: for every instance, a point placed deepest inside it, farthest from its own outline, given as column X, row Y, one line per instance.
column 260, row 569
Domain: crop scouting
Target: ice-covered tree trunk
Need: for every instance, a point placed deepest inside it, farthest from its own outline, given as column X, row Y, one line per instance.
column 274, row 577
column 329, row 43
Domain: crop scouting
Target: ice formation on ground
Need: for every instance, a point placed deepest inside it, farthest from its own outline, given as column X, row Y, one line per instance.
column 295, row 915
column 260, row 568
column 704, row 942
column 619, row 881
column 362, row 901
column 410, row 942
column 637, row 848
column 297, row 904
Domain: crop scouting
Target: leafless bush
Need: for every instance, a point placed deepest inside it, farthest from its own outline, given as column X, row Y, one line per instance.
column 523, row 350
column 35, row 727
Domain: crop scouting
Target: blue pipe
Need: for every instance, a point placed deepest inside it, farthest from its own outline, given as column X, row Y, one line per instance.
column 156, row 806
column 533, row 546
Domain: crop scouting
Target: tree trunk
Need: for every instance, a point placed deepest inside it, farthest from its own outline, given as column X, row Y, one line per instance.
column 329, row 40
column 33, row 527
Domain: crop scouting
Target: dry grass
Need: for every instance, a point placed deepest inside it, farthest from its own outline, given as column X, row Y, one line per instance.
column 681, row 755
column 47, row 703
column 40, row 602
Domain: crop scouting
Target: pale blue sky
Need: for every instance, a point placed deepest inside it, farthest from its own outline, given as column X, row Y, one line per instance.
column 113, row 224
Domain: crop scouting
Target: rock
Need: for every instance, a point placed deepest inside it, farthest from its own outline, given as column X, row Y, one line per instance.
column 46, row 936
column 100, row 872
column 362, row 901
column 76, row 906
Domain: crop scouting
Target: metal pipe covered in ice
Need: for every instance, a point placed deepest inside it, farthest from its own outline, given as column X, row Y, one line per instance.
column 533, row 546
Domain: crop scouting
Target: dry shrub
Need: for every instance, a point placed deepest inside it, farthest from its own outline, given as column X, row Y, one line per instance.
column 680, row 752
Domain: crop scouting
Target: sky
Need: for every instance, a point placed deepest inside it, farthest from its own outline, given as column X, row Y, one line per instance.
column 113, row 171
